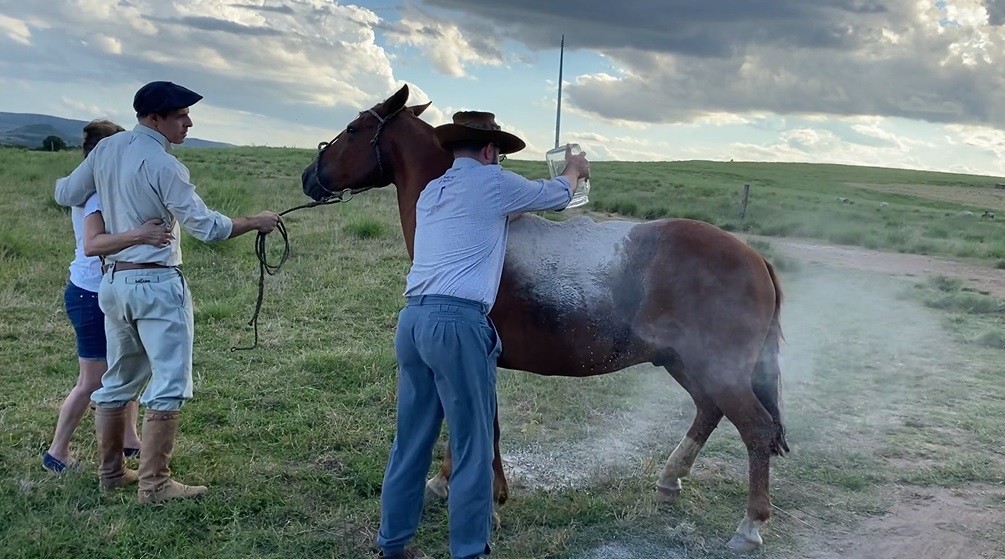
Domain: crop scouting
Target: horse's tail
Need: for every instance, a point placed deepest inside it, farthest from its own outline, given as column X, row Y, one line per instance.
column 767, row 378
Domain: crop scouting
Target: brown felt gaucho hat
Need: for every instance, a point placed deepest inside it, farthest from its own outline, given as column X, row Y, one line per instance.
column 477, row 126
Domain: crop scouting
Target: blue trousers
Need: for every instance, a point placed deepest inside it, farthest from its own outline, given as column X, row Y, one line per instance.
column 447, row 350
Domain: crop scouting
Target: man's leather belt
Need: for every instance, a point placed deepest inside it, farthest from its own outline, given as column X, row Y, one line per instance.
column 122, row 266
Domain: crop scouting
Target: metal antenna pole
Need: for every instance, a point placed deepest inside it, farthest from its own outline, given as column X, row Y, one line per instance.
column 558, row 115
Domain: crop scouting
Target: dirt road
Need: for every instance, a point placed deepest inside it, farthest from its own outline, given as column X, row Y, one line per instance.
column 984, row 279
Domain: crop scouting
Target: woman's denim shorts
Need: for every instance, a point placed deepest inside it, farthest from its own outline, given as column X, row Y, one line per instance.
column 88, row 321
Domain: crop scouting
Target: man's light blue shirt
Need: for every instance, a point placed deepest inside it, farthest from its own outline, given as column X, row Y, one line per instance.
column 461, row 224
column 138, row 179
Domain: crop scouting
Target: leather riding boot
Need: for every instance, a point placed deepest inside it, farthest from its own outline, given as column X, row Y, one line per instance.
column 156, row 485
column 109, row 424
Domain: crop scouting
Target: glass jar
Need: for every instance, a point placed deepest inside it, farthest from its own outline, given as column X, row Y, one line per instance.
column 556, row 165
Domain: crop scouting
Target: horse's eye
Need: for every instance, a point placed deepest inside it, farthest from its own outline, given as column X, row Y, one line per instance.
column 350, row 129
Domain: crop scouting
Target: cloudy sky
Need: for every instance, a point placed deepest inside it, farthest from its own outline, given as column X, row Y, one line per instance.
column 899, row 83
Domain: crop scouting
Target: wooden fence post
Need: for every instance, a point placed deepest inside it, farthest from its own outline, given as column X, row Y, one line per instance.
column 743, row 204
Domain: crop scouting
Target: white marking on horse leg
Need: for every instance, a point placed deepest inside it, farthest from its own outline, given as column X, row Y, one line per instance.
column 678, row 466
column 748, row 536
column 437, row 487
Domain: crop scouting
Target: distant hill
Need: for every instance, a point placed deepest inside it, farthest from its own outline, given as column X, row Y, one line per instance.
column 28, row 130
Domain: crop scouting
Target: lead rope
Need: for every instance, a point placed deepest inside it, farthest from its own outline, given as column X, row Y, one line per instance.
column 344, row 196
column 264, row 267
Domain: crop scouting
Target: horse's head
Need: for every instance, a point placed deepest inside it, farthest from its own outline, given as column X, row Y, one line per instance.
column 358, row 158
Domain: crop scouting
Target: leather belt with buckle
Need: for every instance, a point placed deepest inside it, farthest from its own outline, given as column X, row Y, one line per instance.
column 122, row 266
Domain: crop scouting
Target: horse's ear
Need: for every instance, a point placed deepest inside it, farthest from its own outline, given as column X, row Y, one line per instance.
column 417, row 109
column 397, row 100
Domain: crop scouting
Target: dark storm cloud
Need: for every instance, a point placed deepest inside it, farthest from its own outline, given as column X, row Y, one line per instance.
column 708, row 28
column 996, row 11
column 681, row 59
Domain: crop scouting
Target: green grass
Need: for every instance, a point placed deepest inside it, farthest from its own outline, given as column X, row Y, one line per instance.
column 799, row 200
column 366, row 228
column 292, row 437
column 974, row 317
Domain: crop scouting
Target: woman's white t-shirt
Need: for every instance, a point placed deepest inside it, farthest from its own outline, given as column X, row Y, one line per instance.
column 85, row 271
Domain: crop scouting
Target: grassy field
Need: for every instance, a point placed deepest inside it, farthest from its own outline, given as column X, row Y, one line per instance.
column 893, row 390
column 890, row 209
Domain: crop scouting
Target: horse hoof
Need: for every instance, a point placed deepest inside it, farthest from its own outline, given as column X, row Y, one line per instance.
column 436, row 488
column 667, row 494
column 739, row 542
column 747, row 536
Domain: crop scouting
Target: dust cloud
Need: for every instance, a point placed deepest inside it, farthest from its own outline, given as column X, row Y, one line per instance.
column 833, row 322
column 858, row 351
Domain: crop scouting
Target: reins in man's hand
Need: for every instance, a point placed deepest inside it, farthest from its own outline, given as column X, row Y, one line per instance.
column 264, row 267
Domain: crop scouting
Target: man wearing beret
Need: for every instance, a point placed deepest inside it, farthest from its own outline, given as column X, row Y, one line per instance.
column 446, row 345
column 146, row 301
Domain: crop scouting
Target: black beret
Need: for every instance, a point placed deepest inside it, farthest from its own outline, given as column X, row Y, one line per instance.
column 162, row 97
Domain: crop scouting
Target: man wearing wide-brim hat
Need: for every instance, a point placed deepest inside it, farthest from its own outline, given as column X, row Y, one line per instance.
column 146, row 301
column 476, row 127
column 446, row 345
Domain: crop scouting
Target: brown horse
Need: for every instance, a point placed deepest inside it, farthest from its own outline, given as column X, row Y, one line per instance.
column 581, row 298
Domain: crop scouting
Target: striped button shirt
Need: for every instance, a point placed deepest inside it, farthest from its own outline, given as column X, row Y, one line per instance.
column 461, row 225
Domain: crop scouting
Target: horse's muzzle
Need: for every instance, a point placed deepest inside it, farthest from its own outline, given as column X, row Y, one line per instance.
column 312, row 182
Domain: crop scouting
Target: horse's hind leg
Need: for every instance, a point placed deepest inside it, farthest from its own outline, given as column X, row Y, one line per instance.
column 757, row 429
column 706, row 419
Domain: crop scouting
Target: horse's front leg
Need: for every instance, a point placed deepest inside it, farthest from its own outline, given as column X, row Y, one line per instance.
column 500, row 489
column 438, row 486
